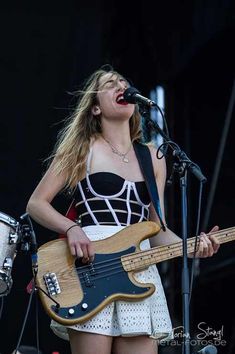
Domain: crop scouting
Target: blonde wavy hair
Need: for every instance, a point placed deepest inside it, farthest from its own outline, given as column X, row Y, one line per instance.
column 72, row 147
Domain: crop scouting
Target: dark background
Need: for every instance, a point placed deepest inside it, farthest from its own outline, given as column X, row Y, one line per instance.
column 185, row 46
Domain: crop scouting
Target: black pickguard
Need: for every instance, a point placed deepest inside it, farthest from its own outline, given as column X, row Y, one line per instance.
column 99, row 280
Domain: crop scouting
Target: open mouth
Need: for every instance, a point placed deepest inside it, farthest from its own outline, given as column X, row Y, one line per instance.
column 120, row 100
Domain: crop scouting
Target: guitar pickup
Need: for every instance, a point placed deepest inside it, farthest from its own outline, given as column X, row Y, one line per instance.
column 87, row 280
column 52, row 284
column 86, row 275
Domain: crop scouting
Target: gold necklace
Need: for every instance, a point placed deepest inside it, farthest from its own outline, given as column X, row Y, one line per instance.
column 115, row 151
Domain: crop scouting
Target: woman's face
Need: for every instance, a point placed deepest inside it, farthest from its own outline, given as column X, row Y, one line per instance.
column 110, row 98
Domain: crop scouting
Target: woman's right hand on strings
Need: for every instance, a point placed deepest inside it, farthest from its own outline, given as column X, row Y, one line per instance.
column 80, row 245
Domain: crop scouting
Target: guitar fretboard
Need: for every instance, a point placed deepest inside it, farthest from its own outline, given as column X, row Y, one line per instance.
column 142, row 259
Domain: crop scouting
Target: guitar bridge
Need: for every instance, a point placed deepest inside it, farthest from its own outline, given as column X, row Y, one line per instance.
column 52, row 284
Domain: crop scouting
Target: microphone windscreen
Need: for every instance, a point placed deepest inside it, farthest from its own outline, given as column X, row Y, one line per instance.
column 129, row 94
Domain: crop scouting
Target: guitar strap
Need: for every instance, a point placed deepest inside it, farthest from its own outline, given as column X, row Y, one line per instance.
column 146, row 165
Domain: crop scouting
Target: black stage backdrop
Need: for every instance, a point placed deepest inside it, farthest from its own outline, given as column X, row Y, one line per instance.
column 185, row 46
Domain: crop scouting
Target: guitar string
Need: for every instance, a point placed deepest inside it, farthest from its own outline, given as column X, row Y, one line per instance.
column 106, row 264
column 151, row 250
column 103, row 276
column 146, row 254
column 131, row 255
column 94, row 278
column 109, row 272
column 102, row 273
column 172, row 248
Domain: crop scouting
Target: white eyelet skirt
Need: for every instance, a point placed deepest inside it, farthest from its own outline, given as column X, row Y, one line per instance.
column 147, row 317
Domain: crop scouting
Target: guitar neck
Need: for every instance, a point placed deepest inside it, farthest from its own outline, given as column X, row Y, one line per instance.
column 142, row 259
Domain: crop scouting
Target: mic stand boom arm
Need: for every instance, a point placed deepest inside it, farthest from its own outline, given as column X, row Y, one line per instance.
column 177, row 152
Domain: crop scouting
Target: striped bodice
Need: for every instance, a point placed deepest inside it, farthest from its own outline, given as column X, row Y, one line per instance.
column 105, row 198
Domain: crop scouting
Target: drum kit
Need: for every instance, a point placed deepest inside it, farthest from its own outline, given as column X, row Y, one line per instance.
column 14, row 237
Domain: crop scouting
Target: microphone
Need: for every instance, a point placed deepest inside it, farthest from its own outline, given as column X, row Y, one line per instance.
column 209, row 349
column 132, row 95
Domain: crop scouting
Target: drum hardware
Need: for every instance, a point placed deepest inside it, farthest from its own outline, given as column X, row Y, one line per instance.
column 29, row 245
column 7, row 264
column 29, row 242
column 9, row 236
column 15, row 237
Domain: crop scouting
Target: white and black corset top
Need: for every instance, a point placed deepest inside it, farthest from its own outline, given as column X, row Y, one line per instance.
column 105, row 198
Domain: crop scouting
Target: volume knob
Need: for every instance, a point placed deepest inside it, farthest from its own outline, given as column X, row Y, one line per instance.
column 71, row 312
column 84, row 306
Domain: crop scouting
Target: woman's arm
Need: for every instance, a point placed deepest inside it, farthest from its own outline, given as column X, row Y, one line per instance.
column 40, row 209
column 39, row 205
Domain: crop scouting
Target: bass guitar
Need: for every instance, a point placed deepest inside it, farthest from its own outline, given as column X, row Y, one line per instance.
column 73, row 292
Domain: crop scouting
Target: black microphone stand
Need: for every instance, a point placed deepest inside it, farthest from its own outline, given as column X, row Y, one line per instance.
column 182, row 166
